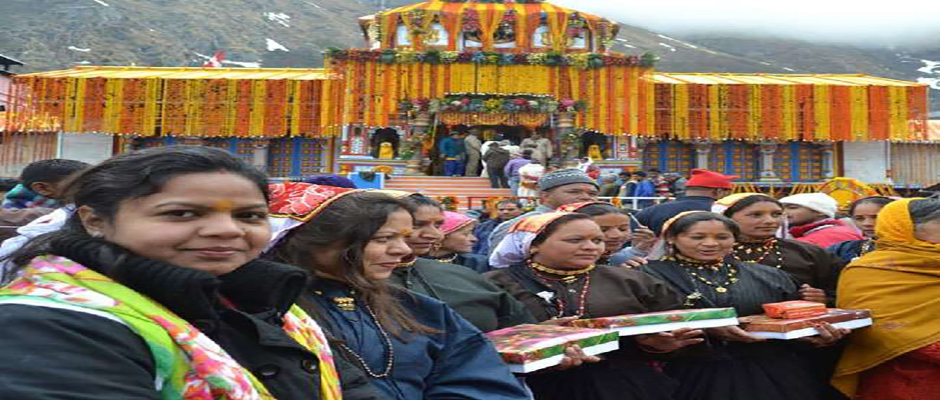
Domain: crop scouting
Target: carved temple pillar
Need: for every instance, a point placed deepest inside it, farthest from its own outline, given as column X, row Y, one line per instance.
column 419, row 128
column 259, row 153
column 767, row 151
column 703, row 150
column 565, row 125
column 829, row 162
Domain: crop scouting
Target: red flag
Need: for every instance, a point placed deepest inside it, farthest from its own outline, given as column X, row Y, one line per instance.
column 215, row 61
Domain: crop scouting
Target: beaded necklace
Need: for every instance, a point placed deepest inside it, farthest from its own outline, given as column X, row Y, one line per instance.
column 743, row 252
column 867, row 247
column 447, row 260
column 386, row 342
column 691, row 267
column 568, row 277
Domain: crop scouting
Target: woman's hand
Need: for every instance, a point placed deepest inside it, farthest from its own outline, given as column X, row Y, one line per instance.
column 574, row 357
column 828, row 335
column 667, row 342
column 733, row 334
column 643, row 239
column 635, row 262
column 810, row 293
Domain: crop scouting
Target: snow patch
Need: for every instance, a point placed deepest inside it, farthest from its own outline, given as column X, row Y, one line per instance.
column 280, row 18
column 690, row 45
column 82, row 62
column 934, row 83
column 310, row 3
column 79, row 49
column 629, row 45
column 765, row 63
column 789, row 69
column 102, row 3
column 668, row 46
column 669, row 38
column 930, row 67
column 243, row 63
column 272, row 45
column 621, row 40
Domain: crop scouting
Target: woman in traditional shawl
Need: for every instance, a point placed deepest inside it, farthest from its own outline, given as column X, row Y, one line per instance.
column 763, row 223
column 898, row 358
column 734, row 365
column 615, row 224
column 864, row 213
column 457, row 245
column 151, row 290
column 554, row 273
column 411, row 346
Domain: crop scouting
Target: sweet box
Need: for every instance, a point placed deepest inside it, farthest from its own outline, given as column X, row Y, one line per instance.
column 662, row 321
column 775, row 328
column 532, row 347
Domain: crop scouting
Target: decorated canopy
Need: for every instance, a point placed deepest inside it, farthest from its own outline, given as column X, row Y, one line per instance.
column 780, row 107
column 199, row 102
column 489, row 25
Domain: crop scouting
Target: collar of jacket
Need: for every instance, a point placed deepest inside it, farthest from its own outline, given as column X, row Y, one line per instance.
column 255, row 287
column 802, row 230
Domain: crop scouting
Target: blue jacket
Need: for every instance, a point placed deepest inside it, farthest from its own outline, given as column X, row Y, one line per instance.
column 450, row 147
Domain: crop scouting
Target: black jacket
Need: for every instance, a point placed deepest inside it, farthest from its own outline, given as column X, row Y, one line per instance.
column 52, row 353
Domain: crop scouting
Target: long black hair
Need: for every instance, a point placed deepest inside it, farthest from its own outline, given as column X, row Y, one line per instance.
column 351, row 222
column 749, row 201
column 684, row 223
column 104, row 187
column 881, row 201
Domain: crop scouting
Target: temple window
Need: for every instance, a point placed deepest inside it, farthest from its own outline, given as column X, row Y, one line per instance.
column 402, row 36
column 542, row 37
column 436, row 35
column 505, row 35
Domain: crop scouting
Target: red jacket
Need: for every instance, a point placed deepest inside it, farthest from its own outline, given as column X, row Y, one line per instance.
column 825, row 233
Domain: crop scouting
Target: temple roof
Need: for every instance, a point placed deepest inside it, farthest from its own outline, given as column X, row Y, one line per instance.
column 185, row 73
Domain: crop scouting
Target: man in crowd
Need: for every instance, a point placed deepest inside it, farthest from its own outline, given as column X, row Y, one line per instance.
column 609, row 186
column 473, row 146
column 677, row 183
column 660, row 184
column 703, row 189
column 496, row 158
column 505, row 211
column 557, row 188
column 40, row 184
column 453, row 151
column 541, row 147
column 812, row 218
column 511, row 170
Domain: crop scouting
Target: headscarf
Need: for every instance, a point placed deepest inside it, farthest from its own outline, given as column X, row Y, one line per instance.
column 898, row 282
column 659, row 249
column 453, row 222
column 294, row 203
column 515, row 246
column 723, row 204
column 332, row 180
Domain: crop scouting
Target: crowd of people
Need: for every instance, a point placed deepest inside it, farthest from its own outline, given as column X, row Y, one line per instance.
column 183, row 273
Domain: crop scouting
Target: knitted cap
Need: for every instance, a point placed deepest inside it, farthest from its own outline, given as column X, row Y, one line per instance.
column 710, row 179
column 819, row 202
column 564, row 177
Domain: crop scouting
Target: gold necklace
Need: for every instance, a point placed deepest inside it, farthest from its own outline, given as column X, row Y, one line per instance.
column 699, row 264
column 407, row 263
column 719, row 287
column 769, row 246
column 447, row 260
column 867, row 247
column 568, row 276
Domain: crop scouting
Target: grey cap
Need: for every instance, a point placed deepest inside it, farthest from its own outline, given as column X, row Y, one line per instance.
column 564, row 177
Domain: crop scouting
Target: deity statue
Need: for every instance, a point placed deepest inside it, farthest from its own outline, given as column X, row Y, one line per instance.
column 594, row 151
column 386, row 151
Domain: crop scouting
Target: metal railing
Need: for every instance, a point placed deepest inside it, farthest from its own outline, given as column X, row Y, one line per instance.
column 480, row 202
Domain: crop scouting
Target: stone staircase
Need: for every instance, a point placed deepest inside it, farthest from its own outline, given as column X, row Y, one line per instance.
column 465, row 189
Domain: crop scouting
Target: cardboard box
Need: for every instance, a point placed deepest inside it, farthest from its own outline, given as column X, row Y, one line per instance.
column 531, row 347
column 663, row 321
column 786, row 329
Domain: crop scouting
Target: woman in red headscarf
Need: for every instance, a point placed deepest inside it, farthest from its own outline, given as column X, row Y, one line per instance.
column 457, row 245
column 413, row 347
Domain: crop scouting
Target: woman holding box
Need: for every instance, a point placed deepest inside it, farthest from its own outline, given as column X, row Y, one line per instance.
column 554, row 273
column 734, row 365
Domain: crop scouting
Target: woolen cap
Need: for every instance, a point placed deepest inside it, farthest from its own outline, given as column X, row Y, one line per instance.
column 710, row 179
column 819, row 202
column 564, row 177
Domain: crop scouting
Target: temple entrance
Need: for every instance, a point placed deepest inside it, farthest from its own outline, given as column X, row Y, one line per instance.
column 516, row 135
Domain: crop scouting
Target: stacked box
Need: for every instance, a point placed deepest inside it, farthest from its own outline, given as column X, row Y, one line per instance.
column 531, row 347
column 663, row 321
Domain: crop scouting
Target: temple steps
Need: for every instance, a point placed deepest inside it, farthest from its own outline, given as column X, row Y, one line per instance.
column 465, row 189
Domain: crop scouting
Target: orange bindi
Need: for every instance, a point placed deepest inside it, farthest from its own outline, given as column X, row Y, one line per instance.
column 223, row 206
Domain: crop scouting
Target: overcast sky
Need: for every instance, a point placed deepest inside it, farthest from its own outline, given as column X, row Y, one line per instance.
column 858, row 22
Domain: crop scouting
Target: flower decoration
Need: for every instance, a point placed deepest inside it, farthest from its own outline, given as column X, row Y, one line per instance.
column 408, row 56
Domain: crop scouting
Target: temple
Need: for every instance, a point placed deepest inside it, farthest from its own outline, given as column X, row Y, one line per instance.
column 503, row 70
